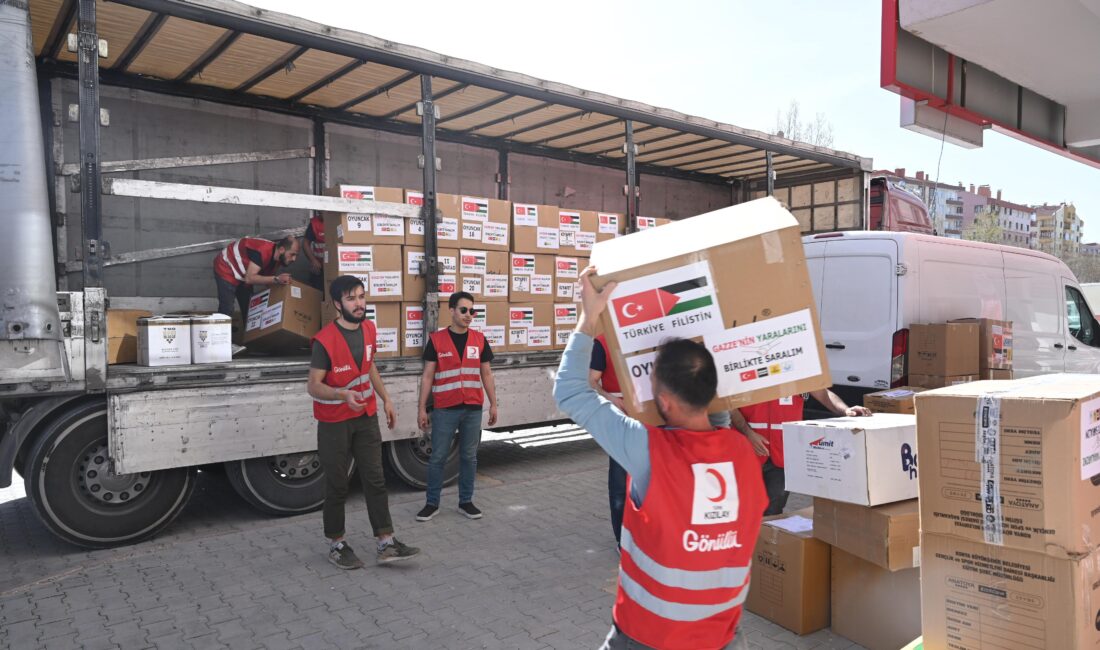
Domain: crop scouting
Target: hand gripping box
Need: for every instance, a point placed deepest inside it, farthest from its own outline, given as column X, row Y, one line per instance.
column 734, row 279
column 1013, row 463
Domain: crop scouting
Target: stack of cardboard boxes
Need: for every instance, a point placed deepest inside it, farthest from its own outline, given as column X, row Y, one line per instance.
column 170, row 340
column 1009, row 502
column 863, row 474
column 959, row 351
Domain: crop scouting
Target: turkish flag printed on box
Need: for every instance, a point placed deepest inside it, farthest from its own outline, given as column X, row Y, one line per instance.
column 644, row 306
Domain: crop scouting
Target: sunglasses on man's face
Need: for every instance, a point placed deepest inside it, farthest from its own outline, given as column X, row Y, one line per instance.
column 467, row 310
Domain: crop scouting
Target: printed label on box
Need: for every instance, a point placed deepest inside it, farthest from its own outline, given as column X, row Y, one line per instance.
column 521, row 316
column 387, row 339
column 567, row 239
column 416, row 226
column 565, row 314
column 254, row 320
column 542, row 285
column 678, row 302
column 414, row 198
column 521, row 283
column 389, row 226
column 585, row 241
column 414, row 318
column 471, row 231
column 447, row 229
column 646, row 222
column 639, row 368
column 475, row 209
column 273, row 315
column 494, row 233
column 523, row 264
column 765, row 353
column 472, row 284
column 539, row 337
column 473, row 261
column 361, row 192
column 448, row 263
column 370, row 312
column 569, row 221
column 565, row 290
column 479, row 316
column 576, row 292
column 561, row 337
column 547, row 238
column 355, row 259
column 358, row 223
column 494, row 334
column 1090, row 439
column 414, row 260
column 295, row 292
column 517, row 336
column 447, row 284
column 414, row 339
column 567, row 267
column 609, row 223
column 525, row 215
column 385, row 283
column 496, row 284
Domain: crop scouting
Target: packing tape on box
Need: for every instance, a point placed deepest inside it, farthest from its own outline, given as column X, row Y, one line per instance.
column 987, row 453
column 773, row 247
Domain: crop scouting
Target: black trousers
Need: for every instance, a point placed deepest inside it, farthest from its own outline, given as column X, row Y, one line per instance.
column 338, row 443
column 229, row 293
column 775, row 484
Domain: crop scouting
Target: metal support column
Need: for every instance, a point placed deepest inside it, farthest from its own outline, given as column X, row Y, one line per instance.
column 431, row 247
column 504, row 178
column 90, row 208
column 631, row 152
column 320, row 157
column 771, row 174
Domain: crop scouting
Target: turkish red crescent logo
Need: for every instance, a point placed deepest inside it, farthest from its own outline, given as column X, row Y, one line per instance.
column 721, row 486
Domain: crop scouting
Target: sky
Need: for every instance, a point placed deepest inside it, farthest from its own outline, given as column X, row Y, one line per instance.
column 734, row 61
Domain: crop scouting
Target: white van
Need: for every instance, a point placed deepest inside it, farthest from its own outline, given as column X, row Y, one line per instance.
column 870, row 286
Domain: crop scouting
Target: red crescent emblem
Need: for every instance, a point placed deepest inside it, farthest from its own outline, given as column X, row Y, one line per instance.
column 721, row 486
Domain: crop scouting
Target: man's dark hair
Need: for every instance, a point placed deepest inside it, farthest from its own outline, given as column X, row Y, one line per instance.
column 459, row 295
column 686, row 369
column 286, row 242
column 342, row 286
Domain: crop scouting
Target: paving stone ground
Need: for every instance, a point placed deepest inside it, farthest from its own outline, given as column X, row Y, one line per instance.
column 538, row 571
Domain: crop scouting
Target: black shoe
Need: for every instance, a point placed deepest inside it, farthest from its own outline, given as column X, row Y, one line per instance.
column 427, row 512
column 395, row 551
column 343, row 557
column 470, row 510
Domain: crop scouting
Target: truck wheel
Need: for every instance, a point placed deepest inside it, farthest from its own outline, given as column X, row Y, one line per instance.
column 81, row 500
column 279, row 485
column 409, row 460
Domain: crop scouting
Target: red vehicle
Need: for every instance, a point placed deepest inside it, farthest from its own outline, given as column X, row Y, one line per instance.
column 894, row 208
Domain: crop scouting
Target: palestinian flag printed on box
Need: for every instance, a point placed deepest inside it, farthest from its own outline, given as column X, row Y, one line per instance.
column 678, row 302
column 361, row 193
column 371, row 314
column 567, row 267
column 523, row 264
column 569, row 221
column 355, row 259
column 521, row 317
column 671, row 299
column 475, row 209
column 565, row 314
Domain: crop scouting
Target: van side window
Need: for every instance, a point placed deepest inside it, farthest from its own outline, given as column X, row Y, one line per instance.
column 1081, row 323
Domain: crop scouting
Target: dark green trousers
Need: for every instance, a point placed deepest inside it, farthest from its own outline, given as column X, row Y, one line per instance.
column 338, row 444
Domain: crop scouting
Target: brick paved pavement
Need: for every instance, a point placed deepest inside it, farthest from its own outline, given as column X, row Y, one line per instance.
column 537, row 572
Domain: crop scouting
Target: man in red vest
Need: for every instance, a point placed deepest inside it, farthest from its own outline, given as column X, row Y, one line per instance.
column 765, row 422
column 315, row 249
column 457, row 376
column 247, row 262
column 696, row 501
column 345, row 386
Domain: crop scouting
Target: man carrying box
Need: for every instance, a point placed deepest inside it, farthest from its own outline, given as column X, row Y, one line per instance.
column 768, row 418
column 696, row 495
column 343, row 382
column 247, row 262
column 457, row 376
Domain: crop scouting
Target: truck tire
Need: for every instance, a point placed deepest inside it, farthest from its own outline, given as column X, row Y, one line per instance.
column 409, row 461
column 78, row 497
column 285, row 485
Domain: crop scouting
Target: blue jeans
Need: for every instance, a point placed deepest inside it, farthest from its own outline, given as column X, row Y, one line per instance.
column 616, row 495
column 445, row 422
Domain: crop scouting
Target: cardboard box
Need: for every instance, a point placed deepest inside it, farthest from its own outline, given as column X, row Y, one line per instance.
column 283, row 318
column 483, row 274
column 473, row 222
column 886, row 535
column 646, row 223
column 565, row 321
column 863, row 460
column 386, row 317
column 994, row 342
column 211, row 339
column 983, row 597
column 736, row 279
column 412, row 329
column 530, row 327
column 413, row 284
column 561, row 336
column 876, row 608
column 350, row 228
column 995, row 374
column 535, row 229
column 791, row 574
column 609, row 225
column 895, row 400
column 932, row 381
column 1044, row 493
column 943, row 349
column 531, row 278
column 122, row 330
column 492, row 321
column 164, row 341
column 380, row 267
column 566, row 273
column 577, row 232
column 414, row 228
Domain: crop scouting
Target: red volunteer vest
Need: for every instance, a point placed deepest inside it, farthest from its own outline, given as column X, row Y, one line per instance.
column 686, row 553
column 317, row 225
column 767, row 419
column 231, row 264
column 343, row 373
column 609, row 380
column 457, row 378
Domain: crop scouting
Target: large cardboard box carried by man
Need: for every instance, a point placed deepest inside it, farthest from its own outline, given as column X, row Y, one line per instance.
column 735, row 279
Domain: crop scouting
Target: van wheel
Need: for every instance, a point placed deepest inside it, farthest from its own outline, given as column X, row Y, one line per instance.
column 288, row 484
column 80, row 498
column 409, row 460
